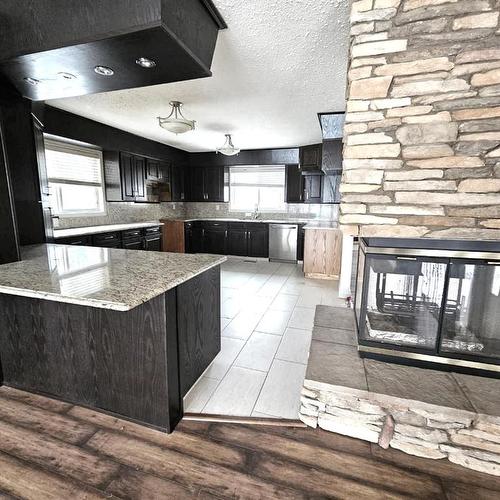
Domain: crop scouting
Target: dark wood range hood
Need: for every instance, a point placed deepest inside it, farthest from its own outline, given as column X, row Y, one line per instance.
column 58, row 43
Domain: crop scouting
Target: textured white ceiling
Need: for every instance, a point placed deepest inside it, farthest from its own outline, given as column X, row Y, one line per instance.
column 278, row 64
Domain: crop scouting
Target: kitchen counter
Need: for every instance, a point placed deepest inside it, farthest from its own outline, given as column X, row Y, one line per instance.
column 108, row 228
column 99, row 277
column 267, row 221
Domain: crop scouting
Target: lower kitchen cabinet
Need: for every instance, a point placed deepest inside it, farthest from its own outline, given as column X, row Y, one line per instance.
column 322, row 253
column 131, row 239
column 214, row 237
column 258, row 240
column 193, row 237
column 237, row 239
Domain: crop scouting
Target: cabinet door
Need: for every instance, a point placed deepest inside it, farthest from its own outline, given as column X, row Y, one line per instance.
column 310, row 157
column 152, row 169
column 214, row 241
column 258, row 242
column 213, row 183
column 152, row 244
column 132, row 244
column 127, row 171
column 312, row 188
column 300, row 242
column 294, row 187
column 139, row 178
column 237, row 240
column 196, row 187
column 331, row 185
column 177, row 176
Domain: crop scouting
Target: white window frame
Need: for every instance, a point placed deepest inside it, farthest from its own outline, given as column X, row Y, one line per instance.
column 69, row 147
column 250, row 167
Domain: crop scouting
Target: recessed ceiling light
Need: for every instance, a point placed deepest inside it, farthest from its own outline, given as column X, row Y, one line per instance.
column 66, row 76
column 145, row 62
column 104, row 71
column 31, row 81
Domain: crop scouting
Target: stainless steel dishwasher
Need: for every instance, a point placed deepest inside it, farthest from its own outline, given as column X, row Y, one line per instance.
column 283, row 242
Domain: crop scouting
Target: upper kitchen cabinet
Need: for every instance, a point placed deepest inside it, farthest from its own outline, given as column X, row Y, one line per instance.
column 53, row 48
column 178, row 182
column 310, row 157
column 294, row 184
column 206, row 184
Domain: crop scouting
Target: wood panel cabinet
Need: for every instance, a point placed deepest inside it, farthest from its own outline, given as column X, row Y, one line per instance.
column 257, row 240
column 294, row 184
column 237, row 239
column 214, row 237
column 206, row 184
column 312, row 188
column 177, row 182
column 322, row 253
column 310, row 157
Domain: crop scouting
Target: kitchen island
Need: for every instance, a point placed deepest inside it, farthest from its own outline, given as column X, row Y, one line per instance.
column 124, row 332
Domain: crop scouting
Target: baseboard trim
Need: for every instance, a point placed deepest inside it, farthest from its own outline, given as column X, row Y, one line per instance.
column 229, row 419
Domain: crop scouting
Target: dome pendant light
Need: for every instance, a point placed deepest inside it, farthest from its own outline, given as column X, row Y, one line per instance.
column 175, row 121
column 228, row 149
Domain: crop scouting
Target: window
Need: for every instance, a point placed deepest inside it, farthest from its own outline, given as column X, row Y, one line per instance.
column 75, row 178
column 257, row 188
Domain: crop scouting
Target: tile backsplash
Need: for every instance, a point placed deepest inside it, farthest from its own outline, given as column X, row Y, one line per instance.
column 293, row 211
column 123, row 212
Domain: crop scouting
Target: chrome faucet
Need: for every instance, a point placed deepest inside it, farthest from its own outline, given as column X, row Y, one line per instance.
column 256, row 214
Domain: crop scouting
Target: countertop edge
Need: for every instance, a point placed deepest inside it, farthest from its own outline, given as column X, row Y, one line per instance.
column 105, row 228
column 105, row 304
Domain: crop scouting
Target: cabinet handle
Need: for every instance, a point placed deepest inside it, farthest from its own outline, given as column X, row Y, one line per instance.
column 225, row 233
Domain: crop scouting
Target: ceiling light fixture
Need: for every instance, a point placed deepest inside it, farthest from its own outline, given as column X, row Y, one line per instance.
column 31, row 81
column 175, row 122
column 104, row 71
column 228, row 148
column 145, row 62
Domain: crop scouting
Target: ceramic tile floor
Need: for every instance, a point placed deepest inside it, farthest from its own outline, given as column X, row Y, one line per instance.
column 267, row 319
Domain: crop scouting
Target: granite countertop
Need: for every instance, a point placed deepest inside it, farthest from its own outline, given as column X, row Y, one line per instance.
column 80, row 231
column 99, row 277
column 322, row 225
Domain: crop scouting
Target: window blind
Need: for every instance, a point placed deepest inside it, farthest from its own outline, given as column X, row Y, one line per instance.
column 71, row 164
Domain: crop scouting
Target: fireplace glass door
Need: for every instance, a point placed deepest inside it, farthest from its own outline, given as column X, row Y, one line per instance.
column 472, row 316
column 402, row 300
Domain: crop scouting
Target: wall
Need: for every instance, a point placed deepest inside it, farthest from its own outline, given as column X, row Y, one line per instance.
column 422, row 133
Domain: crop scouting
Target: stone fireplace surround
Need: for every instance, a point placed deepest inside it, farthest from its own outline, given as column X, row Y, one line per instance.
column 421, row 412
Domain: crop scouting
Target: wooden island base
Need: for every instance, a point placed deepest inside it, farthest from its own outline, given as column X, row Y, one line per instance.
column 135, row 364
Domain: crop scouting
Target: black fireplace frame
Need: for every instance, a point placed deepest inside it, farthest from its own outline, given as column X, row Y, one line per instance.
column 442, row 251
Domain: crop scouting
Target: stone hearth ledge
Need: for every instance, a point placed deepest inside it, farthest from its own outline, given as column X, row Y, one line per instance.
column 349, row 407
column 105, row 278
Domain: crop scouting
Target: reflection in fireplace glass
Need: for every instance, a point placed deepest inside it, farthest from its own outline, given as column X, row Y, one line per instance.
column 472, row 315
column 404, row 300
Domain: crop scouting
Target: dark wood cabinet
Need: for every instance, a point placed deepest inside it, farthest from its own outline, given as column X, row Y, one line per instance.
column 206, row 184
column 193, row 234
column 157, row 170
column 214, row 237
column 237, row 239
column 257, row 240
column 312, row 188
column 331, row 185
column 177, row 182
column 132, row 176
column 152, row 239
column 300, row 242
column 310, row 157
column 294, row 184
column 132, row 244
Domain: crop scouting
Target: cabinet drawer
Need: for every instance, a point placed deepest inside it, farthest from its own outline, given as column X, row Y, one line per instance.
column 75, row 240
column 132, row 233
column 106, row 238
column 222, row 226
column 152, row 230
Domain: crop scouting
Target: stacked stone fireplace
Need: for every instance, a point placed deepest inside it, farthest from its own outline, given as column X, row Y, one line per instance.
column 422, row 133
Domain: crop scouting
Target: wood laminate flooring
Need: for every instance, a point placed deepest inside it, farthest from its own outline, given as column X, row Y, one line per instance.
column 53, row 450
